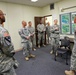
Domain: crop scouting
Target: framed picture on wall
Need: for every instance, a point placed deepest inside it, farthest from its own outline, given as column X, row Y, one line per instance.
column 65, row 23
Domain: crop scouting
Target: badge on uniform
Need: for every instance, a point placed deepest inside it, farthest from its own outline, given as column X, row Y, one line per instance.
column 6, row 34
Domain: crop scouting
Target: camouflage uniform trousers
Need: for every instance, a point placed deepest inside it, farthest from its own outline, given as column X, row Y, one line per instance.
column 48, row 35
column 11, row 72
column 27, row 48
column 41, row 36
column 54, row 44
column 33, row 41
column 73, row 59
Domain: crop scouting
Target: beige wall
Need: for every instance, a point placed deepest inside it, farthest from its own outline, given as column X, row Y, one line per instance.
column 57, row 8
column 57, row 11
column 15, row 13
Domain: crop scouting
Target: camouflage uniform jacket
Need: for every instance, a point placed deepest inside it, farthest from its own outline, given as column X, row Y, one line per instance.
column 6, row 60
column 55, row 33
column 41, row 28
column 23, row 32
column 31, row 30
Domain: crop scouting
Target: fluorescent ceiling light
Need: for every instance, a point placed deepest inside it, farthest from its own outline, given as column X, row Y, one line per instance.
column 34, row 0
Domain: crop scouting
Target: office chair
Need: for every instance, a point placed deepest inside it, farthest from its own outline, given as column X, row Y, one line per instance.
column 64, row 48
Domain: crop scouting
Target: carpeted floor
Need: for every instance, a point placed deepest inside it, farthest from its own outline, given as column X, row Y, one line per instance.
column 43, row 64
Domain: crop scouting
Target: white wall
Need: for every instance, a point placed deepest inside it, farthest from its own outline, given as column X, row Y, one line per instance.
column 15, row 13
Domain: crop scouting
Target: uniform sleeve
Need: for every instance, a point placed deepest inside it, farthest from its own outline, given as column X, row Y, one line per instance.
column 6, row 44
column 58, row 31
column 44, row 29
column 38, row 28
column 52, row 30
column 33, row 30
column 21, row 34
column 0, row 38
column 9, row 51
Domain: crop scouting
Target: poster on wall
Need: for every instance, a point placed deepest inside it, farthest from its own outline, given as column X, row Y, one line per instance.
column 73, row 21
column 65, row 23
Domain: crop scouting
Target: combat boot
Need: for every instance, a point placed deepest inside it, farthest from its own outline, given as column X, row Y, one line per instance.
column 34, row 49
column 69, row 72
column 32, row 56
column 38, row 46
column 56, row 54
column 51, row 52
column 47, row 43
column 27, row 58
column 43, row 45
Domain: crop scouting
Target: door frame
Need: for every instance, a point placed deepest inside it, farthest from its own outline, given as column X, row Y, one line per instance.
column 36, row 34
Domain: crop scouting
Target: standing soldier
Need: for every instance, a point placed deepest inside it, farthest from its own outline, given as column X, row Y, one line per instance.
column 6, row 48
column 48, row 31
column 41, row 33
column 32, row 32
column 73, row 56
column 55, row 30
column 26, row 43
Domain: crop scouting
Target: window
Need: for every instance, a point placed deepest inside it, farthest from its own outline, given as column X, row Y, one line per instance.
column 67, row 23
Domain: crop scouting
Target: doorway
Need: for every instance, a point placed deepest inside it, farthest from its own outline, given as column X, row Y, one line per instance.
column 48, row 19
column 37, row 21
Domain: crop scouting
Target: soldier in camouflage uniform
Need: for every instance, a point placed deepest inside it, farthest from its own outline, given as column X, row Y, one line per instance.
column 73, row 58
column 32, row 32
column 55, row 37
column 48, row 31
column 6, row 48
column 41, row 33
column 26, row 43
